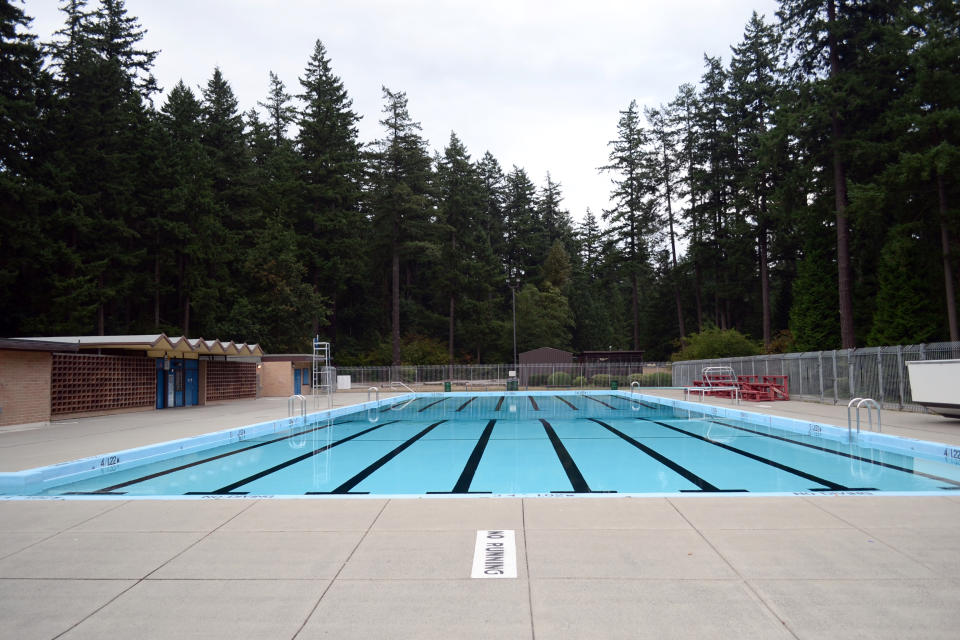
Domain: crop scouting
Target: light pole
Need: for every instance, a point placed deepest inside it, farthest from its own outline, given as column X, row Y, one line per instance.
column 512, row 282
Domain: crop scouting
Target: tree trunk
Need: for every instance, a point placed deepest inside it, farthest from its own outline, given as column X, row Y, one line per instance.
column 673, row 255
column 636, row 311
column 156, row 288
column 450, row 341
column 101, row 320
column 186, row 315
column 395, row 295
column 947, row 267
column 698, row 285
column 844, row 275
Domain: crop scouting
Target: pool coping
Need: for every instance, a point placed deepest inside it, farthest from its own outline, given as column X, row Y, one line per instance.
column 45, row 477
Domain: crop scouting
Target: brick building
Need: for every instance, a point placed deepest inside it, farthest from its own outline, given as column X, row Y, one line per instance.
column 43, row 379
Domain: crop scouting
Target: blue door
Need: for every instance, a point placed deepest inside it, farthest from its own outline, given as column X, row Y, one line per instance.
column 178, row 379
column 191, row 382
column 161, row 384
column 297, row 381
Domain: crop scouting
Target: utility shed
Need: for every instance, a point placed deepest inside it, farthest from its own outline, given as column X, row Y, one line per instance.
column 546, row 355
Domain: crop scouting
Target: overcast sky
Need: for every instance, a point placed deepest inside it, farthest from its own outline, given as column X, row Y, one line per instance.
column 537, row 83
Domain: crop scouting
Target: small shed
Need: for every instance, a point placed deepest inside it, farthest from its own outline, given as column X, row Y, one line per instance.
column 537, row 365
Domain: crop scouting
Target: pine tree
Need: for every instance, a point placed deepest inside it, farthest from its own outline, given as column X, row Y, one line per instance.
column 23, row 86
column 401, row 199
column 632, row 218
column 331, row 230
column 753, row 70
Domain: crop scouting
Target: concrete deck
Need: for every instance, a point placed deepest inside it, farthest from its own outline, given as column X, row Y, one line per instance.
column 690, row 567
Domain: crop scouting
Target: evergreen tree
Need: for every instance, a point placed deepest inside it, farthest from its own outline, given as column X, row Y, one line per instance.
column 23, row 86
column 401, row 199
column 906, row 309
column 331, row 230
column 632, row 217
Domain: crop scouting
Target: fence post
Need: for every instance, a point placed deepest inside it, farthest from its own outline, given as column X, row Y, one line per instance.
column 820, row 372
column 900, row 374
column 800, row 369
column 836, row 383
column 850, row 381
column 880, row 373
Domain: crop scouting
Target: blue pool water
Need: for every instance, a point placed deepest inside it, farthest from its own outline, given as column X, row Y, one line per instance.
column 524, row 445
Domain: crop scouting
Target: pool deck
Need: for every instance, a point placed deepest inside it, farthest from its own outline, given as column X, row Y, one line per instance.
column 831, row 566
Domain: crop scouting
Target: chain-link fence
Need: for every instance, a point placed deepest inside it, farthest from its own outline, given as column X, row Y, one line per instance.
column 835, row 376
column 530, row 376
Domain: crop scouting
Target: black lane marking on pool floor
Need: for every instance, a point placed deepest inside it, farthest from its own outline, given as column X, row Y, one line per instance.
column 602, row 402
column 430, row 405
column 534, row 403
column 363, row 475
column 566, row 402
column 107, row 490
column 283, row 465
column 955, row 483
column 500, row 403
column 463, row 406
column 470, row 469
column 569, row 466
column 662, row 459
column 767, row 461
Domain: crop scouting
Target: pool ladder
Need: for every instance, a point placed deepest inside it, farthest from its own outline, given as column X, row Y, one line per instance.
column 871, row 405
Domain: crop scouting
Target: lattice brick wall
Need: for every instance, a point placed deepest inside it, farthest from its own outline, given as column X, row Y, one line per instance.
column 82, row 383
column 231, row 380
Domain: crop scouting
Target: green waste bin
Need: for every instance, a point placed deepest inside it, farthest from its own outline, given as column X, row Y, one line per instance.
column 513, row 385
column 446, row 387
column 613, row 385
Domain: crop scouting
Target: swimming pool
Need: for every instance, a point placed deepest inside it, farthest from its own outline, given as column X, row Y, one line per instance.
column 530, row 443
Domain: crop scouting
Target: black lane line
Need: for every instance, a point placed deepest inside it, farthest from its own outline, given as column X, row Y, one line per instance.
column 603, row 403
column 569, row 466
column 955, row 483
column 667, row 462
column 500, row 403
column 534, row 403
column 767, row 461
column 567, row 402
column 472, row 398
column 283, row 465
column 363, row 475
column 211, row 459
column 469, row 469
column 431, row 404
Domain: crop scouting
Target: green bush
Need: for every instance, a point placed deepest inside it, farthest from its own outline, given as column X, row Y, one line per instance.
column 600, row 380
column 559, row 379
column 712, row 343
column 537, row 379
column 579, row 381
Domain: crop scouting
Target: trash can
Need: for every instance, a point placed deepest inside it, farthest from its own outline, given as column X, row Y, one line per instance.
column 613, row 385
column 513, row 385
column 446, row 387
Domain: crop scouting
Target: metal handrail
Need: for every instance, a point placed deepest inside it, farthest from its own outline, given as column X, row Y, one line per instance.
column 291, row 405
column 634, row 384
column 377, row 390
column 397, row 382
column 870, row 404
